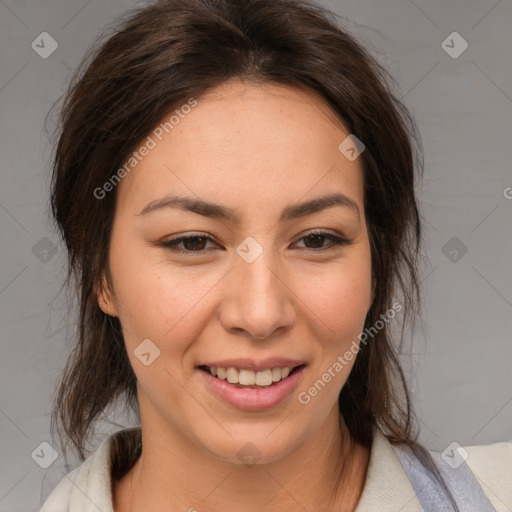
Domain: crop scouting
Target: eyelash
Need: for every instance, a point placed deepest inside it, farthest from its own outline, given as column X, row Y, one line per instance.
column 336, row 241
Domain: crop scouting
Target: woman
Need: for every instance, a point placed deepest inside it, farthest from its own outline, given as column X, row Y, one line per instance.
column 234, row 182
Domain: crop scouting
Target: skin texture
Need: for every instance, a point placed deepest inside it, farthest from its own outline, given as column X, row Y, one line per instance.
column 256, row 148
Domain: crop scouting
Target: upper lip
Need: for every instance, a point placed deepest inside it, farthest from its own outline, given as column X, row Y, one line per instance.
column 256, row 366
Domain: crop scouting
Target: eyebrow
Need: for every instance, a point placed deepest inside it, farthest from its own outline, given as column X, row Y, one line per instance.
column 217, row 211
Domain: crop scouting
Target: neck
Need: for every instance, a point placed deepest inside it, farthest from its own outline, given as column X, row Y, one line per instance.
column 328, row 469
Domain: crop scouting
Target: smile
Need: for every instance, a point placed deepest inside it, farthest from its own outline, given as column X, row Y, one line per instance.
column 251, row 390
column 249, row 378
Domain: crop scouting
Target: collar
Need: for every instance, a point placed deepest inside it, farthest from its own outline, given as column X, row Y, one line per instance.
column 387, row 486
column 88, row 488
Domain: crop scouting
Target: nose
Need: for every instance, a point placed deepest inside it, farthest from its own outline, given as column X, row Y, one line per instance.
column 258, row 300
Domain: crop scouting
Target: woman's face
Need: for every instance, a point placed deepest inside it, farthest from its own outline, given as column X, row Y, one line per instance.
column 256, row 290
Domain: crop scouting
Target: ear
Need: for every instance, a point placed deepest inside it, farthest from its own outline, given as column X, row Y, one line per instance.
column 105, row 297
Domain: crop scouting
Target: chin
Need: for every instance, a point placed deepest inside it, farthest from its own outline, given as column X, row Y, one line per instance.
column 255, row 444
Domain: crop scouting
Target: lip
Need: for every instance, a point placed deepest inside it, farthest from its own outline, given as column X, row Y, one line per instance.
column 255, row 366
column 248, row 399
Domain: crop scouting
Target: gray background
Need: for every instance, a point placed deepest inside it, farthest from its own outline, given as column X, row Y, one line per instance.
column 459, row 369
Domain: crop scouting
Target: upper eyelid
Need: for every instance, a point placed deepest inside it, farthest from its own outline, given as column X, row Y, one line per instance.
column 315, row 231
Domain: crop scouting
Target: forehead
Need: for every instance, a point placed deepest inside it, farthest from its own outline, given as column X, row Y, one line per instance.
column 243, row 142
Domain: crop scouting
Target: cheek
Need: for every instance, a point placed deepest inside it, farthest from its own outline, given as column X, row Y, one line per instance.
column 340, row 299
column 339, row 302
column 161, row 304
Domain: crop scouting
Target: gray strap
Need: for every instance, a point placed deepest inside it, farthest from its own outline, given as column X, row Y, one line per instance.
column 465, row 489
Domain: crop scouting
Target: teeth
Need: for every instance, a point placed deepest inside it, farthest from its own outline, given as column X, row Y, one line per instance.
column 250, row 378
column 232, row 375
column 264, row 378
column 246, row 377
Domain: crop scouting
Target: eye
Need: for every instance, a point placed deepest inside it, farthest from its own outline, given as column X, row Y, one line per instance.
column 316, row 238
column 196, row 242
column 192, row 244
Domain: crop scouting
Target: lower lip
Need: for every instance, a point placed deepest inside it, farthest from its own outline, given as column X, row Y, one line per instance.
column 248, row 399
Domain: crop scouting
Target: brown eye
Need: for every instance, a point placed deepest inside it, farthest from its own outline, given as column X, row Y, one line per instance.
column 316, row 241
column 194, row 243
column 197, row 243
column 191, row 244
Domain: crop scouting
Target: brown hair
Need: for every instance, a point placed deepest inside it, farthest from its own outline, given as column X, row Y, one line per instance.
column 155, row 60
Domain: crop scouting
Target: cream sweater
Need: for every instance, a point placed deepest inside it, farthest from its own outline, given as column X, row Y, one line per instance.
column 387, row 487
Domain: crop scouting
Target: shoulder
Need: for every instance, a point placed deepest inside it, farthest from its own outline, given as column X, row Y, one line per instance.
column 491, row 465
column 89, row 481
column 59, row 498
column 478, row 475
column 89, row 487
